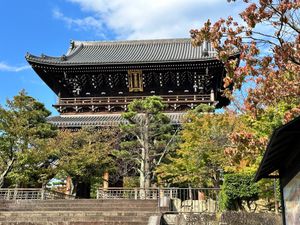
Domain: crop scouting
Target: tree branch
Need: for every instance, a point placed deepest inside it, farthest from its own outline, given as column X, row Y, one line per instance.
column 8, row 169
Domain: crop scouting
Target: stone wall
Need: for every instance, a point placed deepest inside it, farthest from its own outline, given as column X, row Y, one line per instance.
column 226, row 218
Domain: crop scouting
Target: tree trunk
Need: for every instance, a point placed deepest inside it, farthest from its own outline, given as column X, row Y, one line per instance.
column 145, row 173
column 147, row 158
column 142, row 169
column 69, row 185
column 8, row 169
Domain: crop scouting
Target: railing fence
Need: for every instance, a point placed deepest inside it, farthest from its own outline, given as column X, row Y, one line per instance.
column 31, row 194
column 172, row 199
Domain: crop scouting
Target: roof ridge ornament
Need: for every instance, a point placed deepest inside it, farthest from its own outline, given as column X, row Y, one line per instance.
column 72, row 44
column 28, row 55
column 63, row 57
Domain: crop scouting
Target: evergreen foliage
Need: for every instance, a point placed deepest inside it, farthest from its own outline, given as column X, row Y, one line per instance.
column 84, row 155
column 236, row 189
column 145, row 138
column 24, row 132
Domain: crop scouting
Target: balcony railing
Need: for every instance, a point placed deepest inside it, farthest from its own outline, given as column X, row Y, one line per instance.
column 121, row 100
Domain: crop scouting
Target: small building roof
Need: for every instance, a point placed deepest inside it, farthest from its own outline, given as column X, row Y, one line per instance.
column 128, row 52
column 283, row 147
column 100, row 120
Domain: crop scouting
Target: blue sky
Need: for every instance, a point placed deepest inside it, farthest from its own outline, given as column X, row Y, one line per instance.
column 47, row 26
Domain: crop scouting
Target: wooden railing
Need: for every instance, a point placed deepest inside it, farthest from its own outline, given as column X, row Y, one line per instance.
column 127, row 99
column 31, row 194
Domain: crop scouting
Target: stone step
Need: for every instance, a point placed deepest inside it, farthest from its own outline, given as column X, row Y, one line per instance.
column 77, row 212
column 45, row 218
column 75, row 223
column 79, row 205
column 84, row 204
column 78, row 208
column 25, row 215
column 41, row 205
column 81, row 201
column 86, row 219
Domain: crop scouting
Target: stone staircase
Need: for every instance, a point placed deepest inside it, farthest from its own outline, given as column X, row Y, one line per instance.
column 77, row 212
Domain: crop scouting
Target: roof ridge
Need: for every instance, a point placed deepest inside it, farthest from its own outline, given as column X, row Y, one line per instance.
column 144, row 41
column 42, row 56
column 129, row 52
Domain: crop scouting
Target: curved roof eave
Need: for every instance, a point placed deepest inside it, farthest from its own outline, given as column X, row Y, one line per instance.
column 269, row 164
column 49, row 63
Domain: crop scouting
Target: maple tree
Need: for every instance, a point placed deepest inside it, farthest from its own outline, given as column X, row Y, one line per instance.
column 268, row 43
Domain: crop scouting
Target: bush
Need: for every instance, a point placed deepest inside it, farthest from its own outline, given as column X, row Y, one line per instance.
column 237, row 188
column 131, row 182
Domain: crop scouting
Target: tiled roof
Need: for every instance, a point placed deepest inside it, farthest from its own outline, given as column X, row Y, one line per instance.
column 283, row 147
column 71, row 121
column 129, row 52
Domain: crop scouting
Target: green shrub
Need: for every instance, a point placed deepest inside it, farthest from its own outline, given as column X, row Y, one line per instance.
column 131, row 182
column 237, row 188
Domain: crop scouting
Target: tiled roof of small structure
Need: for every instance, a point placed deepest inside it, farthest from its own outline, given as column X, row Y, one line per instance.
column 284, row 144
column 129, row 52
column 73, row 121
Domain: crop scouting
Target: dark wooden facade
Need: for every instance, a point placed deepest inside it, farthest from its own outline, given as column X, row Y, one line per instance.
column 95, row 77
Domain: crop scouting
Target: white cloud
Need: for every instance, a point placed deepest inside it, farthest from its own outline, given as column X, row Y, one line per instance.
column 8, row 68
column 143, row 19
column 85, row 23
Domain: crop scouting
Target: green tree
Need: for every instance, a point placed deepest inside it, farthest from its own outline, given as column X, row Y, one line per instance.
column 84, row 155
column 249, row 143
column 23, row 135
column 200, row 157
column 147, row 134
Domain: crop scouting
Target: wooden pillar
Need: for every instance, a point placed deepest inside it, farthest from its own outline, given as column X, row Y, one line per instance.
column 68, row 186
column 105, row 179
column 212, row 95
column 201, row 195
